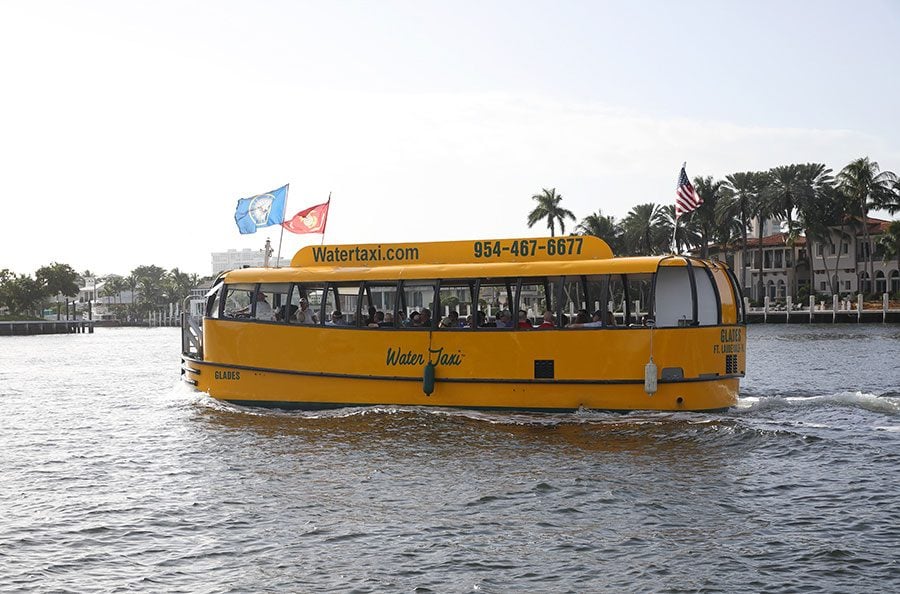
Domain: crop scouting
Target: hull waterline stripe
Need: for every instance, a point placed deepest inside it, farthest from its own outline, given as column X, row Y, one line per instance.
column 284, row 405
column 465, row 380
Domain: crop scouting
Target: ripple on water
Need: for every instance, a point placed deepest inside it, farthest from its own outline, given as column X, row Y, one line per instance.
column 116, row 480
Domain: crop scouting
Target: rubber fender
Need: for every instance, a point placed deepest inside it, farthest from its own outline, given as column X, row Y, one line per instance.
column 428, row 379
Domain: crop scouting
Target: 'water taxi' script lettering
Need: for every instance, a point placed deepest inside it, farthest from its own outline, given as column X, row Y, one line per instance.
column 438, row 357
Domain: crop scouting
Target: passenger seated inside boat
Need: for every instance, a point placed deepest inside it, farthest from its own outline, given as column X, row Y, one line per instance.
column 523, row 320
column 377, row 320
column 337, row 319
column 450, row 321
column 304, row 315
column 504, row 319
column 596, row 321
column 548, row 321
column 425, row 318
column 263, row 309
column 279, row 312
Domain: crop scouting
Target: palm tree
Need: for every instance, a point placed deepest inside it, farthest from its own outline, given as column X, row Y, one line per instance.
column 150, row 282
column 727, row 230
column 739, row 192
column 548, row 208
column 643, row 234
column 890, row 243
column 867, row 186
column 814, row 186
column 179, row 285
column 687, row 234
column 705, row 215
column 819, row 214
column 891, row 202
column 763, row 208
column 783, row 191
column 603, row 226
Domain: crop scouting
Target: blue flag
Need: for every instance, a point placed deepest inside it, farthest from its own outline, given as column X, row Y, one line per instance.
column 261, row 210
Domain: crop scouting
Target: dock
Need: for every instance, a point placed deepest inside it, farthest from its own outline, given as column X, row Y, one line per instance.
column 32, row 327
column 837, row 312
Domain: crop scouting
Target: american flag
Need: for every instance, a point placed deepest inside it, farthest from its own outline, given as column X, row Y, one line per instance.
column 686, row 199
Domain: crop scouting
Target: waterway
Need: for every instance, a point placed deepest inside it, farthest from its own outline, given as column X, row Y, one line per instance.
column 116, row 477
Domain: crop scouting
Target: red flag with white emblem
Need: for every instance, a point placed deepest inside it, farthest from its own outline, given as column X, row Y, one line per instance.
column 310, row 220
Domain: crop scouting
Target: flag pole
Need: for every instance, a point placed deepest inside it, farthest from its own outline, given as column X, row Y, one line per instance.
column 287, row 189
column 675, row 226
column 325, row 226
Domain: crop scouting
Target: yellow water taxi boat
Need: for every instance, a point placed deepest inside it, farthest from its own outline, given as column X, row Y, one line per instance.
column 549, row 324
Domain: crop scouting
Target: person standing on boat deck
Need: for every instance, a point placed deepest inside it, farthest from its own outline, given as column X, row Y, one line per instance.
column 305, row 315
column 263, row 309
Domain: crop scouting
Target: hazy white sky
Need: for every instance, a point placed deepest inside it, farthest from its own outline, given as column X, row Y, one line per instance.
column 128, row 130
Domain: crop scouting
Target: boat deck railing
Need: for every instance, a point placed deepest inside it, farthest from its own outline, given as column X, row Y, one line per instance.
column 191, row 331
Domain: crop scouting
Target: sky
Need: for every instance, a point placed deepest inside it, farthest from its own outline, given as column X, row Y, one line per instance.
column 129, row 130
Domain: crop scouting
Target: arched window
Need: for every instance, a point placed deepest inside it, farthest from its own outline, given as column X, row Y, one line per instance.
column 770, row 289
column 864, row 282
column 780, row 293
column 895, row 281
column 880, row 282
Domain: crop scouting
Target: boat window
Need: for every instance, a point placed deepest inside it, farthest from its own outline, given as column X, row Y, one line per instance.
column 573, row 299
column 237, row 300
column 495, row 295
column 383, row 297
column 276, row 296
column 416, row 296
column 456, row 306
column 342, row 304
column 639, row 290
column 310, row 311
column 213, row 300
column 600, row 298
column 535, row 297
column 617, row 298
column 707, row 299
column 674, row 306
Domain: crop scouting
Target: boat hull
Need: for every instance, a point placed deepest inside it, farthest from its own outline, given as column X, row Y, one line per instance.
column 558, row 370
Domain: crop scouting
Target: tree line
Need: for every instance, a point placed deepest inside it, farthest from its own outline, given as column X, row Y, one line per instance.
column 151, row 287
column 808, row 197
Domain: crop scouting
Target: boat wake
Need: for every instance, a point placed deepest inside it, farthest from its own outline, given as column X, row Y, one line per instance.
column 887, row 402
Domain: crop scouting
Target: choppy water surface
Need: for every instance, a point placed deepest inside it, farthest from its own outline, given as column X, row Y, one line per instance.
column 116, row 477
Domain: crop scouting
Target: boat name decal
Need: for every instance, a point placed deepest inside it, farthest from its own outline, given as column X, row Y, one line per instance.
column 363, row 254
column 397, row 357
column 227, row 375
column 731, row 341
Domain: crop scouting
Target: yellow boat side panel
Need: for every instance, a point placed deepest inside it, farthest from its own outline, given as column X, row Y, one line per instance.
column 597, row 368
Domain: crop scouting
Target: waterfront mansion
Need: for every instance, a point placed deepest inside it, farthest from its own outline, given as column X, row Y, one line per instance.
column 789, row 266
